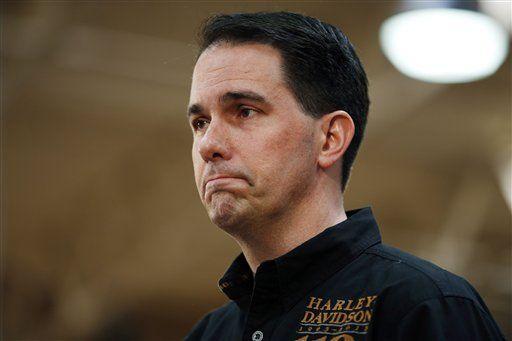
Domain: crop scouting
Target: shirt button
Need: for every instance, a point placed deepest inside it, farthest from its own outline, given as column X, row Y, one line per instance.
column 257, row 336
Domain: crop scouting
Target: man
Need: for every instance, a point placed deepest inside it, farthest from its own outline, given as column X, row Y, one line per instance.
column 278, row 106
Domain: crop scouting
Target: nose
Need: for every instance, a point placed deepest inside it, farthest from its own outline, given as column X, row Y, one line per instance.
column 214, row 144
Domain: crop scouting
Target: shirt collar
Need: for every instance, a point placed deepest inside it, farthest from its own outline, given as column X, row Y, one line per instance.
column 289, row 277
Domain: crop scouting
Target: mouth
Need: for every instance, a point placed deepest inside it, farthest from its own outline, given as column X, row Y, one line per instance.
column 219, row 177
column 222, row 183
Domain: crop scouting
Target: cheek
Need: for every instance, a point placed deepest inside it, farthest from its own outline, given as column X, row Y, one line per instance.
column 283, row 154
column 197, row 164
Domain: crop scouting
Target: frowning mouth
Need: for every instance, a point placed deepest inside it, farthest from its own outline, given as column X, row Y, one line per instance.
column 221, row 180
column 219, row 177
column 216, row 177
column 222, row 183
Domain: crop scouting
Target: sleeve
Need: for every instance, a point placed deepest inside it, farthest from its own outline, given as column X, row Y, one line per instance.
column 448, row 318
column 196, row 333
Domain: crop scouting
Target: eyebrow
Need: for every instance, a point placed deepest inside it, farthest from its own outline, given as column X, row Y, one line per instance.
column 196, row 109
column 235, row 95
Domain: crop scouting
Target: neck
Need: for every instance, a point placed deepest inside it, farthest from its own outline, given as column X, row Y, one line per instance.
column 298, row 224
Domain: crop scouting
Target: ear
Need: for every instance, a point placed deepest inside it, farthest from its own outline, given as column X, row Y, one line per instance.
column 337, row 133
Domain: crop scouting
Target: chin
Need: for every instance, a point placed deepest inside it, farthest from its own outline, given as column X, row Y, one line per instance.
column 225, row 211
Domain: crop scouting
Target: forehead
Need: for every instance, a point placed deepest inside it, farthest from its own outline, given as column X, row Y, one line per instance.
column 225, row 67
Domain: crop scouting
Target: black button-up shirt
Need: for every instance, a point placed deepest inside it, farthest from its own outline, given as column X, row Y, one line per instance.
column 344, row 284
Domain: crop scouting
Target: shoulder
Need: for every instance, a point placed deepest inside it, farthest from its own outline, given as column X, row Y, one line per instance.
column 417, row 279
column 213, row 318
column 415, row 291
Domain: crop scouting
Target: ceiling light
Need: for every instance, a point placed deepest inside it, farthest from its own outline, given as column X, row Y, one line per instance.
column 444, row 45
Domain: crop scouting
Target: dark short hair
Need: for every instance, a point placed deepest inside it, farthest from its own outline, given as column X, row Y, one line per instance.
column 319, row 62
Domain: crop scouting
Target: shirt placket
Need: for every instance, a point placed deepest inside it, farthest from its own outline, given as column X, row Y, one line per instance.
column 265, row 303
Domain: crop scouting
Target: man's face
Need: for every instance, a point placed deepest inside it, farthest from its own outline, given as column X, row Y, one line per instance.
column 254, row 149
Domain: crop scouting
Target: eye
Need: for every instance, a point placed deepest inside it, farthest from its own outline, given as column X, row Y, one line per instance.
column 199, row 123
column 245, row 112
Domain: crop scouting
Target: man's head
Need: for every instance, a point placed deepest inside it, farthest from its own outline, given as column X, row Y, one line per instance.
column 276, row 99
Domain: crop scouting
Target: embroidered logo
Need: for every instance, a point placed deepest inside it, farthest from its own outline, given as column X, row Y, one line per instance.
column 327, row 319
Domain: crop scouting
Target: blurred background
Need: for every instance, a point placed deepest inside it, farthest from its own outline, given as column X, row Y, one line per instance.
column 104, row 236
